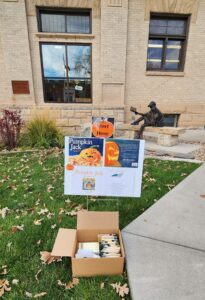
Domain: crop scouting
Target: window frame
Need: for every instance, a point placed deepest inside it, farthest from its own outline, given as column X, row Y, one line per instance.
column 65, row 12
column 43, row 77
column 167, row 37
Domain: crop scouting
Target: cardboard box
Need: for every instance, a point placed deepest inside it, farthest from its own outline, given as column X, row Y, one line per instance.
column 89, row 225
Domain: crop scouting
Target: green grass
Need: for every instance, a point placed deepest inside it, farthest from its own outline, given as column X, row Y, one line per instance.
column 24, row 185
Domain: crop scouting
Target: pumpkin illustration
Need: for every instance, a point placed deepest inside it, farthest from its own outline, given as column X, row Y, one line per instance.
column 69, row 167
column 112, row 154
column 102, row 129
column 91, row 155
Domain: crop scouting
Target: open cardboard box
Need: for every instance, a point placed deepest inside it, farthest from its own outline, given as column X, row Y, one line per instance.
column 89, row 225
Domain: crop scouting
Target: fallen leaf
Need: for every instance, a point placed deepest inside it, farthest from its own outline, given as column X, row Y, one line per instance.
column 17, row 228
column 50, row 215
column 4, row 271
column 37, row 222
column 15, row 281
column 46, row 257
column 4, row 286
column 72, row 283
column 40, row 295
column 121, row 290
column 68, row 201
column 102, row 285
column 9, row 245
column 39, row 242
column 12, row 187
column 4, row 211
column 146, row 174
column 36, row 276
column 29, row 295
column 49, row 188
column 151, row 180
column 43, row 211
column 37, row 202
column 60, row 283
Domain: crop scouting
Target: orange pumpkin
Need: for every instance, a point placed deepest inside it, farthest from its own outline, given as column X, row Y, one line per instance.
column 91, row 155
column 69, row 167
column 111, row 154
column 102, row 129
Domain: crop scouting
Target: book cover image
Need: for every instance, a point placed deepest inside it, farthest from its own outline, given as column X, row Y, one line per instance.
column 121, row 153
column 89, row 184
column 85, row 152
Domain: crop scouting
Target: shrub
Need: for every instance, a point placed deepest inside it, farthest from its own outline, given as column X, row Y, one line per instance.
column 42, row 132
column 10, row 127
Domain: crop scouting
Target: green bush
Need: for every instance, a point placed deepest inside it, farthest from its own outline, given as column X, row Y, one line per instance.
column 42, row 133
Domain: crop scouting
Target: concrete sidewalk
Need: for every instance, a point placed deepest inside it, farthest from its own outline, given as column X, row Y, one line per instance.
column 165, row 246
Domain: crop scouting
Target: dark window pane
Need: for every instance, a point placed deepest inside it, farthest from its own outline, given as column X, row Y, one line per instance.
column 79, row 61
column 82, row 88
column 176, row 27
column 158, row 22
column 54, row 90
column 63, row 91
column 172, row 59
column 52, row 23
column 54, row 62
column 154, row 56
column 78, row 24
column 171, row 120
column 158, row 26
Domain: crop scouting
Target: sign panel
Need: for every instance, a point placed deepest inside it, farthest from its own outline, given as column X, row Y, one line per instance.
column 20, row 87
column 103, row 167
column 102, row 127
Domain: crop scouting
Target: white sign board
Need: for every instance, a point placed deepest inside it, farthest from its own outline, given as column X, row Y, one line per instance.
column 103, row 167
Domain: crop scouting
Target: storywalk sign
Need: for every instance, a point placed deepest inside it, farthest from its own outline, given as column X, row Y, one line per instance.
column 103, row 166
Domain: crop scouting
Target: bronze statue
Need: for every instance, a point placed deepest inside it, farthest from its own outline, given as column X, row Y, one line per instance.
column 154, row 117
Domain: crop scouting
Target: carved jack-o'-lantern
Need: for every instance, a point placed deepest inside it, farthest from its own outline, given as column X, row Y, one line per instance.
column 111, row 154
column 91, row 155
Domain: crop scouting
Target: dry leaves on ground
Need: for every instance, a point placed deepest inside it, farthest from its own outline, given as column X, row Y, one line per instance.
column 72, row 283
column 4, row 270
column 121, row 290
column 4, row 286
column 38, row 222
column 39, row 295
column 47, row 258
column 60, row 283
column 36, row 276
column 4, row 211
column 43, row 211
column 17, row 228
column 102, row 285
column 15, row 281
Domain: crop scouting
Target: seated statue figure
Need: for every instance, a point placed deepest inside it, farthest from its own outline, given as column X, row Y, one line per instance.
column 154, row 117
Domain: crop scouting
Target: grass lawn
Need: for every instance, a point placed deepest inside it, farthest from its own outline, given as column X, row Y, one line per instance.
column 32, row 182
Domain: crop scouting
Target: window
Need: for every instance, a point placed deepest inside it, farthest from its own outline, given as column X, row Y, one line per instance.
column 171, row 120
column 167, row 43
column 69, row 21
column 66, row 70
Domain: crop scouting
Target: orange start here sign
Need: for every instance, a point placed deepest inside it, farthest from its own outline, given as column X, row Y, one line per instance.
column 102, row 127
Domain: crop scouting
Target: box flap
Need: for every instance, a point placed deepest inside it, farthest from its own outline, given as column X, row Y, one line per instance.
column 65, row 242
column 98, row 220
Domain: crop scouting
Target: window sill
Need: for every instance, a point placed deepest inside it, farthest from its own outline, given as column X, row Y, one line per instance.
column 64, row 35
column 159, row 73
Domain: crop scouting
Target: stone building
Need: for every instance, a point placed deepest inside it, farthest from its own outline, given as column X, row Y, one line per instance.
column 82, row 58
